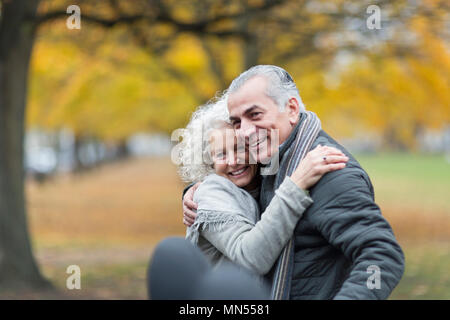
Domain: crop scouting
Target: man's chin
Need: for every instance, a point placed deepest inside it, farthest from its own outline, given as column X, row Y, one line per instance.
column 259, row 156
column 263, row 157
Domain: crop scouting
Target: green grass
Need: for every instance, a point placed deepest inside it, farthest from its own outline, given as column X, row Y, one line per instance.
column 414, row 191
column 416, row 180
column 426, row 272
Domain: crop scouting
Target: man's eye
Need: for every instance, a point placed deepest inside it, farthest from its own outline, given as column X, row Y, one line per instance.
column 255, row 114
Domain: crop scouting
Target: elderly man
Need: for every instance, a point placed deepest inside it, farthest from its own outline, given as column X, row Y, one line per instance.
column 342, row 248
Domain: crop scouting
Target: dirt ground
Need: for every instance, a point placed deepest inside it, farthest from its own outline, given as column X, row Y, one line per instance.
column 107, row 222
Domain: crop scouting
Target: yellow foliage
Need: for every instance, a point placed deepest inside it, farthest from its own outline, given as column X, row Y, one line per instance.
column 101, row 84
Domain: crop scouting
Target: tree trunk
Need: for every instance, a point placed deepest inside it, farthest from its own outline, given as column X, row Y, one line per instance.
column 122, row 150
column 18, row 268
column 251, row 53
column 250, row 48
column 77, row 146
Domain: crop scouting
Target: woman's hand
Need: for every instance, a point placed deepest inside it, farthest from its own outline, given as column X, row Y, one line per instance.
column 316, row 163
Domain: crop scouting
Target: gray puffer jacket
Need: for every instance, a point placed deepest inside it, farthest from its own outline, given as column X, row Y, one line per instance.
column 342, row 238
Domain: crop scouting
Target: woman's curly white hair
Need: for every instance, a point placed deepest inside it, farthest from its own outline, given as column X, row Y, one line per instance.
column 195, row 161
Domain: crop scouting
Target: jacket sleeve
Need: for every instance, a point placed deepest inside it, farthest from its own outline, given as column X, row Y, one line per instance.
column 351, row 221
column 256, row 246
column 186, row 189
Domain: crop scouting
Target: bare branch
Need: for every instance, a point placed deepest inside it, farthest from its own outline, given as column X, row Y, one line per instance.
column 105, row 22
column 164, row 16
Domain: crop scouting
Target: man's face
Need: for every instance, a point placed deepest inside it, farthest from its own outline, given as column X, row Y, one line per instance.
column 256, row 118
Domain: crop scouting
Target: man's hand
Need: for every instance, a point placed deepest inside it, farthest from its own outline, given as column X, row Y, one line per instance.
column 189, row 206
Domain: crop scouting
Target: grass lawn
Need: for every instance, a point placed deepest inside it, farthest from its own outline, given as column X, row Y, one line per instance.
column 109, row 220
column 422, row 181
column 427, row 273
column 413, row 192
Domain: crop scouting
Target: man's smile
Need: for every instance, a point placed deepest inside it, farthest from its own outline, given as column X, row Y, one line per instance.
column 257, row 143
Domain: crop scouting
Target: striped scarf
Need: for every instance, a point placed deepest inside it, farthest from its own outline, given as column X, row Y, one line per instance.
column 309, row 128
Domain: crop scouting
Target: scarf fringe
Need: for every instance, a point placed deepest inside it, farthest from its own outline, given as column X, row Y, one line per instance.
column 213, row 221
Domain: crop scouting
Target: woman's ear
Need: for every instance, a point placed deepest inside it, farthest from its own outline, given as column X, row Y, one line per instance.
column 293, row 110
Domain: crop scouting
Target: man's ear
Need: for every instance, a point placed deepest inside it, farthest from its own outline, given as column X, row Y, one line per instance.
column 293, row 110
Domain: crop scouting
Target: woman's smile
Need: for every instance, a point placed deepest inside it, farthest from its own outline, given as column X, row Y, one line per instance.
column 238, row 173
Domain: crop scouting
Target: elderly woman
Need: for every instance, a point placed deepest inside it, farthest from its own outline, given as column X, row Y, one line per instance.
column 229, row 225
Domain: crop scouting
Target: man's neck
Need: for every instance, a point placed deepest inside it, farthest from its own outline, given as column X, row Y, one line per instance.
column 284, row 146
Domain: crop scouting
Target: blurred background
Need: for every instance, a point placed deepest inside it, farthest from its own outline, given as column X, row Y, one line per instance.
column 89, row 112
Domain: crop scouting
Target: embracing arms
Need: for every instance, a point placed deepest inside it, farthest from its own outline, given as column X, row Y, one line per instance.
column 251, row 244
column 308, row 172
column 258, row 245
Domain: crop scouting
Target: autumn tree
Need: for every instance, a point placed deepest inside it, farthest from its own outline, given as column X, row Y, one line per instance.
column 19, row 22
column 398, row 89
column 191, row 49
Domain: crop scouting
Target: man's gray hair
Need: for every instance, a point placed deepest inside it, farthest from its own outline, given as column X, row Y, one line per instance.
column 280, row 87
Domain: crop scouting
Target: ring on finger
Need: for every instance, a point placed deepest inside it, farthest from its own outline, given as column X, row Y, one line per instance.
column 325, row 159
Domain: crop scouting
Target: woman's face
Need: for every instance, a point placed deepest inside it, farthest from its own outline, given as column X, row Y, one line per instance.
column 231, row 160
